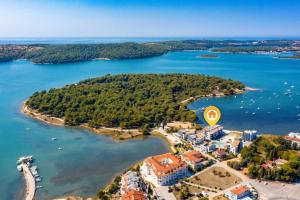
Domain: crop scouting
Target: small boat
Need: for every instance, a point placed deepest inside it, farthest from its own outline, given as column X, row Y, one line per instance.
column 19, row 168
column 39, row 186
column 59, row 148
column 38, row 179
column 278, row 108
column 53, row 138
column 297, row 107
column 258, row 108
column 27, row 129
column 241, row 107
column 253, row 113
column 285, row 83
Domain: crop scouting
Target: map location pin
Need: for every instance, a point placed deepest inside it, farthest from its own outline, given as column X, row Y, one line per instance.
column 212, row 115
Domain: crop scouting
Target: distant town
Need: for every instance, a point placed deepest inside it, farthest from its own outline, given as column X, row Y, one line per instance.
column 201, row 166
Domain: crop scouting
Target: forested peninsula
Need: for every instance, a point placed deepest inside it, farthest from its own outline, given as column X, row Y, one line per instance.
column 69, row 53
column 129, row 100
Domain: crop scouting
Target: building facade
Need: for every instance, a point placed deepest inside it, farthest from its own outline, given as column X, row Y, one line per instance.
column 165, row 169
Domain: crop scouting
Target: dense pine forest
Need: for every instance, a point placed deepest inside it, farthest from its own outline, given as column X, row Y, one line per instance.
column 68, row 53
column 129, row 100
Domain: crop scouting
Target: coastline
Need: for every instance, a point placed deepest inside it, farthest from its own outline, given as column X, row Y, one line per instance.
column 116, row 133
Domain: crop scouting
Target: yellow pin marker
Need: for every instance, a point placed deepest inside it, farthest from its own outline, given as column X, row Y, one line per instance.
column 212, row 115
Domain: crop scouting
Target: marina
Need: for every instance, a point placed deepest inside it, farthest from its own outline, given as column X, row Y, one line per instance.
column 30, row 174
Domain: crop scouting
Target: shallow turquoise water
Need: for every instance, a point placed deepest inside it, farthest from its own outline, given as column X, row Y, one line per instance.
column 89, row 161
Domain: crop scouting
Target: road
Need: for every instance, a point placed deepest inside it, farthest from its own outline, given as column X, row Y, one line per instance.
column 172, row 139
column 163, row 194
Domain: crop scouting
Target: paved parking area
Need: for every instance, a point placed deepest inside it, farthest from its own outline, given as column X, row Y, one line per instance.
column 277, row 191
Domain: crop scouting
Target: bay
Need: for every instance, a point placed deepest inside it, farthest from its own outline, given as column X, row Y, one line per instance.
column 88, row 161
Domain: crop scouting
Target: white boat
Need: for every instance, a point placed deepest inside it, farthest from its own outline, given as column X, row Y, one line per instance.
column 19, row 168
column 39, row 186
column 258, row 108
column 59, row 148
column 25, row 159
column 241, row 107
column 285, row 83
column 253, row 113
column 53, row 138
column 38, row 179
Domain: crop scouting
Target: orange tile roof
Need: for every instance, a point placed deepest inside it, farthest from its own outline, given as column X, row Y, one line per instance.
column 165, row 164
column 239, row 190
column 133, row 195
column 193, row 156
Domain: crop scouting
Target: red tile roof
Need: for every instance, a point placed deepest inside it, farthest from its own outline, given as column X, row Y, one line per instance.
column 133, row 195
column 193, row 156
column 165, row 164
column 239, row 190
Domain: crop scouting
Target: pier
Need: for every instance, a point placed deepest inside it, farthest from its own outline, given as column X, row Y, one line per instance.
column 30, row 187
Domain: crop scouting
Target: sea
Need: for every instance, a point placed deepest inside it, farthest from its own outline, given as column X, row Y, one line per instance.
column 87, row 162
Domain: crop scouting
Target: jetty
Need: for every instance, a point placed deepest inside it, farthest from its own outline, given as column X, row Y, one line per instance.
column 29, row 182
column 24, row 166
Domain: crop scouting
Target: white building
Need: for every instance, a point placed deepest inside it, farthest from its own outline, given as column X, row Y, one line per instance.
column 165, row 169
column 294, row 135
column 238, row 193
column 131, row 181
column 235, row 147
column 193, row 158
column 249, row 135
column 213, row 132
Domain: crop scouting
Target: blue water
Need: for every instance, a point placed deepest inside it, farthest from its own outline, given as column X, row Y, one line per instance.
column 87, row 161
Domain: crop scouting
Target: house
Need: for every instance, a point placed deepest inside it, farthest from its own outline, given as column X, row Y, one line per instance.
column 208, row 147
column 235, row 146
column 134, row 195
column 220, row 153
column 280, row 162
column 165, row 169
column 131, row 181
column 240, row 192
column 132, row 187
column 249, row 135
column 213, row 132
column 194, row 159
column 294, row 138
column 294, row 135
column 200, row 137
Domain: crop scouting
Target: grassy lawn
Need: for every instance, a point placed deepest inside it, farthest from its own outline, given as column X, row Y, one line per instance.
column 217, row 178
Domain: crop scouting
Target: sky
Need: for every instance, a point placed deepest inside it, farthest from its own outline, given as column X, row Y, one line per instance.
column 149, row 18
